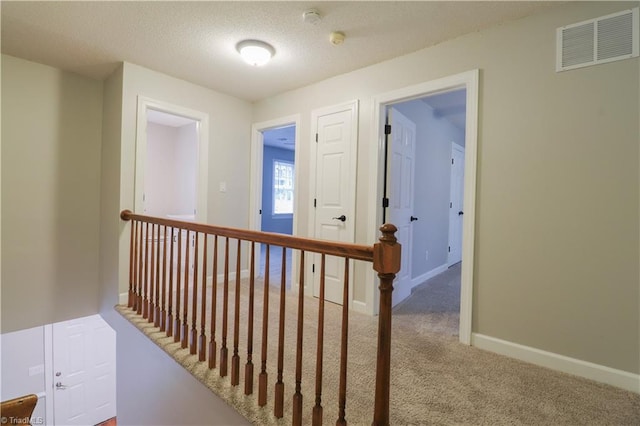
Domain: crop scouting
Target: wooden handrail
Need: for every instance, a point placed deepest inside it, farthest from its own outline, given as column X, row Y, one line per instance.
column 148, row 294
column 352, row 251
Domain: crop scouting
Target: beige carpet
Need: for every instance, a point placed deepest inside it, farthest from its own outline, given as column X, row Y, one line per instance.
column 434, row 304
column 435, row 379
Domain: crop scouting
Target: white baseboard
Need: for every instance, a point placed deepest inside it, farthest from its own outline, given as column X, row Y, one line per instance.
column 428, row 275
column 589, row 370
column 123, row 299
column 359, row 306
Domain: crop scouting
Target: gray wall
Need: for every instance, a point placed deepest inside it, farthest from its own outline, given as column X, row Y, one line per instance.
column 154, row 390
column 557, row 220
column 51, row 135
column 432, row 185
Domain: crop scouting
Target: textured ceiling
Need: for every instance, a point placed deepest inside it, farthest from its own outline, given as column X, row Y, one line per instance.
column 195, row 41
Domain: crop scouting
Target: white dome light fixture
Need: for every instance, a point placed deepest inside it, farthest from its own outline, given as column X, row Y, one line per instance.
column 255, row 52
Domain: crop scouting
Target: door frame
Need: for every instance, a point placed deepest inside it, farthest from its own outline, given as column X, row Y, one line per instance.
column 468, row 80
column 352, row 106
column 255, row 187
column 202, row 123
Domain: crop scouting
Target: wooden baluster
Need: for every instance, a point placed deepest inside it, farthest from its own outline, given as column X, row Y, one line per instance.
column 156, row 318
column 131, row 267
column 297, row 396
column 176, row 328
column 262, row 377
column 140, row 269
column 163, row 312
column 317, row 409
column 224, row 351
column 342, row 398
column 152, row 276
column 170, row 314
column 185, row 299
column 134, row 299
column 278, row 409
column 145, row 306
column 235, row 359
column 248, row 368
column 193, row 348
column 214, row 304
column 202, row 355
column 386, row 261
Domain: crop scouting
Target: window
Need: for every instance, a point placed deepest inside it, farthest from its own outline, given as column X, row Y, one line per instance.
column 282, row 188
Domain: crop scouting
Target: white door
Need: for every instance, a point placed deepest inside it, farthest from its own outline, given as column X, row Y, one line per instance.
column 456, row 210
column 402, row 152
column 84, row 365
column 336, row 135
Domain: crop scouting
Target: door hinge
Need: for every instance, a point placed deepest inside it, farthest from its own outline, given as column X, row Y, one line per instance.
column 313, row 268
column 314, row 202
column 449, row 249
column 385, row 202
column 387, row 129
column 260, row 211
column 450, row 205
column 452, row 161
column 316, row 138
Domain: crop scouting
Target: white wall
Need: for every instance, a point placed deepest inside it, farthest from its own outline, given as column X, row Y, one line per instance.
column 171, row 169
column 160, row 187
column 186, row 168
column 154, row 390
column 23, row 368
column 557, row 228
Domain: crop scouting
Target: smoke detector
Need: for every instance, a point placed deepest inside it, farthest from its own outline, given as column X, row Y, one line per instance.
column 336, row 38
column 311, row 16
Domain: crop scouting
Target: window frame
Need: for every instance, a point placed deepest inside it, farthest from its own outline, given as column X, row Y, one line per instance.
column 275, row 187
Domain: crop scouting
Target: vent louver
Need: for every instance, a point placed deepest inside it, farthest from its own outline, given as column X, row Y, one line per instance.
column 605, row 39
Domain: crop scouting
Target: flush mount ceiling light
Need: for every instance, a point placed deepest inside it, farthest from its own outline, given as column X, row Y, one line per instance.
column 255, row 52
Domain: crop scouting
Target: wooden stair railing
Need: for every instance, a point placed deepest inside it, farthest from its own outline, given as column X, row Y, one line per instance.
column 160, row 286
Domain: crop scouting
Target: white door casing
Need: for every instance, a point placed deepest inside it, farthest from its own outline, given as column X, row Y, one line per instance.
column 468, row 80
column 335, row 137
column 84, row 371
column 456, row 204
column 402, row 150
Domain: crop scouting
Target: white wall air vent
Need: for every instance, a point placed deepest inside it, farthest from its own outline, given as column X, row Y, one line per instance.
column 597, row 41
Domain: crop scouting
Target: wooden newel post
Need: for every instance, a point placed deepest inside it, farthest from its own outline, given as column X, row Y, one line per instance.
column 386, row 261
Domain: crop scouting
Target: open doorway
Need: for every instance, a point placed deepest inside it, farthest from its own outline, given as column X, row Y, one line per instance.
column 170, row 180
column 275, row 139
column 420, row 267
column 172, row 146
column 426, row 184
column 278, row 197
